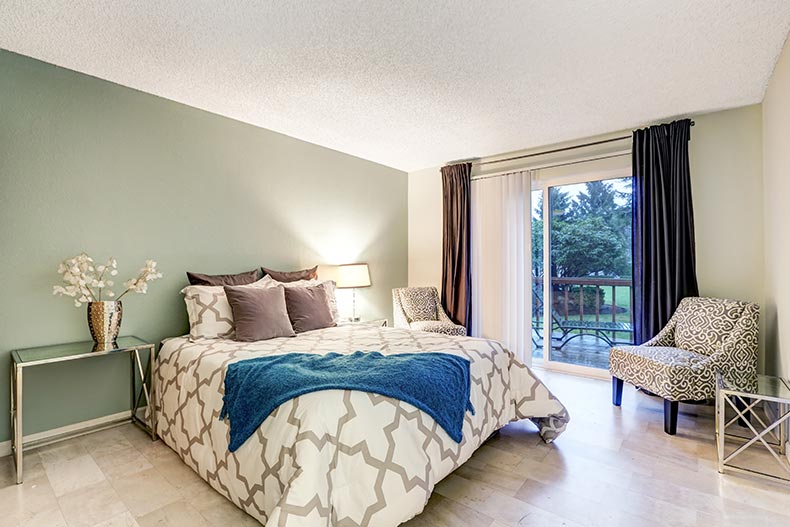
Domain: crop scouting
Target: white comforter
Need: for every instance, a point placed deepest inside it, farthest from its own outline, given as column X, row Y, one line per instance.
column 338, row 457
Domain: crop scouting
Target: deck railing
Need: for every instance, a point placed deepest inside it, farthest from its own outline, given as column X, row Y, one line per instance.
column 569, row 292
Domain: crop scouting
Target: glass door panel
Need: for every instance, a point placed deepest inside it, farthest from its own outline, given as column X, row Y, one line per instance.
column 589, row 268
column 537, row 275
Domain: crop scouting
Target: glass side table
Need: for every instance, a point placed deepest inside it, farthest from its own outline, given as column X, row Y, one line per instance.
column 26, row 358
column 771, row 394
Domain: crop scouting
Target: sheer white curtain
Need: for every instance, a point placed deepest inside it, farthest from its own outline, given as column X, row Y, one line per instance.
column 501, row 261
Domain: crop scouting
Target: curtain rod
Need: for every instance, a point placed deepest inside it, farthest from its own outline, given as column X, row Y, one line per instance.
column 555, row 165
column 556, row 150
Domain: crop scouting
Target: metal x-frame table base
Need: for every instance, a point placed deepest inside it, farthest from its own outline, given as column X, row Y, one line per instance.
column 18, row 446
column 744, row 407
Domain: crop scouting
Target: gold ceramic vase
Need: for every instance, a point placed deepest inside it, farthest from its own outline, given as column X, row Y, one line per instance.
column 104, row 321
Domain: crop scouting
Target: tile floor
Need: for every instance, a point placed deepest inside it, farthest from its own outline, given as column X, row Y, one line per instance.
column 612, row 467
column 113, row 478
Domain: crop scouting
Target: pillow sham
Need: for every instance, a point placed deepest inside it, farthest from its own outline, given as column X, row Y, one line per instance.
column 210, row 315
column 244, row 278
column 308, row 308
column 259, row 313
column 292, row 276
column 329, row 285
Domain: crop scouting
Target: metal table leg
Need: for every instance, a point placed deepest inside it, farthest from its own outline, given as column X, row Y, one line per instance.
column 152, row 394
column 720, row 431
column 17, row 421
column 783, row 430
column 146, row 390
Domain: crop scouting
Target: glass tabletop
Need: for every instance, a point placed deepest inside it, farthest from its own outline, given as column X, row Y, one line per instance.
column 766, row 386
column 74, row 349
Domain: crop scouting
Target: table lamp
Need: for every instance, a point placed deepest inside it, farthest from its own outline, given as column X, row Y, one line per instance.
column 352, row 276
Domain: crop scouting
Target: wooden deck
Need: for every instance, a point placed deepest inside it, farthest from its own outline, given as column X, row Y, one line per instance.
column 583, row 351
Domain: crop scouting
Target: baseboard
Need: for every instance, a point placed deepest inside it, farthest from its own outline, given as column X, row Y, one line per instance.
column 571, row 369
column 5, row 446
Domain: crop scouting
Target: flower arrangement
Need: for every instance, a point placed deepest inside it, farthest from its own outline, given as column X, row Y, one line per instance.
column 87, row 282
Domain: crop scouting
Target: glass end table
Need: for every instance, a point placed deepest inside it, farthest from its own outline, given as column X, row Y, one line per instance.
column 770, row 430
column 30, row 357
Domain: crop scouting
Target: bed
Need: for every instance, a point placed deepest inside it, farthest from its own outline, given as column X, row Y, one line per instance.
column 338, row 457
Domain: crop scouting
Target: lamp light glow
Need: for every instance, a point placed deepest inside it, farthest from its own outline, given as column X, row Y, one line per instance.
column 353, row 276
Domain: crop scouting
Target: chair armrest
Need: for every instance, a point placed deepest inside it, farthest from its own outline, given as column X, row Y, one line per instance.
column 665, row 337
column 441, row 314
column 738, row 351
column 398, row 316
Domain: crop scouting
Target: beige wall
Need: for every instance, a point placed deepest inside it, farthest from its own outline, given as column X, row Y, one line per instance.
column 425, row 227
column 776, row 190
column 726, row 170
column 726, row 180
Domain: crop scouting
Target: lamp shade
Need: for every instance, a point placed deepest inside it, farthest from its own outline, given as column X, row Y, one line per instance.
column 353, row 275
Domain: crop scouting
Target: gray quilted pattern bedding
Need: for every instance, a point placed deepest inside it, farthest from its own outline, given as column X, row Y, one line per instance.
column 338, row 457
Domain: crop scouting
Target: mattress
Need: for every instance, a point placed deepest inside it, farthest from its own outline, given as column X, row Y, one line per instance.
column 338, row 457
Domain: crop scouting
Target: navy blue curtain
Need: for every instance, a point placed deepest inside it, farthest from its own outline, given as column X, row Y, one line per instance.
column 663, row 226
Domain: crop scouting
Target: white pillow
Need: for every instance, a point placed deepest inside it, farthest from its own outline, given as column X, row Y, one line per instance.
column 329, row 285
column 210, row 316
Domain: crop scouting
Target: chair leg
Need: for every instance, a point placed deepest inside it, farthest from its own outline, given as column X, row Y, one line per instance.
column 670, row 417
column 617, row 391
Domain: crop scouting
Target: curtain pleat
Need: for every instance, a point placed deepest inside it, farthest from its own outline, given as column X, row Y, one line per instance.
column 663, row 226
column 456, row 256
column 501, row 261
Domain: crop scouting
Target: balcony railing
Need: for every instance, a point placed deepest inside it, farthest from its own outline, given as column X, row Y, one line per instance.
column 586, row 306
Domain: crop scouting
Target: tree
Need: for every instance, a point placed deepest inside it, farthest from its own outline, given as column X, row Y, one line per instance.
column 537, row 247
column 590, row 234
column 598, row 199
column 561, row 204
column 589, row 247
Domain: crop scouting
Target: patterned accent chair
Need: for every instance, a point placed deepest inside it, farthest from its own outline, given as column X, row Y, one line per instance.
column 420, row 308
column 705, row 335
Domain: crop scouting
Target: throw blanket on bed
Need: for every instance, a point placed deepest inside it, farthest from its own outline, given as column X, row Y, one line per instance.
column 436, row 383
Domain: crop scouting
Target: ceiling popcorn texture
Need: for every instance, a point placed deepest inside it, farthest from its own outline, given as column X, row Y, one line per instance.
column 415, row 83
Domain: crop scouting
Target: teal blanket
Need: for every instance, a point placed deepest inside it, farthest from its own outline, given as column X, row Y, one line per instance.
column 436, row 383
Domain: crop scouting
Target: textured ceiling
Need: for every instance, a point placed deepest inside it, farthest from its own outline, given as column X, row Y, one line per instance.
column 416, row 83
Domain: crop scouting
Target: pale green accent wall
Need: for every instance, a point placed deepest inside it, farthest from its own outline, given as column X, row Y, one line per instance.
column 89, row 165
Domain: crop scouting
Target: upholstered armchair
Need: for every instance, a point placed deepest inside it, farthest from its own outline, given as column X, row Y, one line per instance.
column 420, row 308
column 704, row 336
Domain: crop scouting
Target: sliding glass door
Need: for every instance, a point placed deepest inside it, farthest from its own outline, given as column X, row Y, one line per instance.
column 582, row 284
column 537, row 276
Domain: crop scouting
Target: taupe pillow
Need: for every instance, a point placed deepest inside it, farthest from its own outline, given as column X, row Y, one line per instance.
column 292, row 276
column 308, row 308
column 259, row 313
column 245, row 278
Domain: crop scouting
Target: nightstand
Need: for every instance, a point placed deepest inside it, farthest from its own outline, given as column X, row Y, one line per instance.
column 27, row 358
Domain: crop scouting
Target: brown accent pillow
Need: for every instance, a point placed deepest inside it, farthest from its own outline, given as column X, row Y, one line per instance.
column 224, row 279
column 259, row 313
column 308, row 308
column 292, row 276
